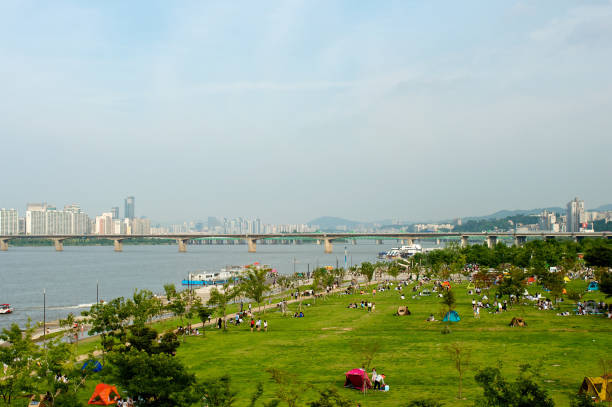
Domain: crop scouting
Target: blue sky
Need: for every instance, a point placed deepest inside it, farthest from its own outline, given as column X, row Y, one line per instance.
column 298, row 109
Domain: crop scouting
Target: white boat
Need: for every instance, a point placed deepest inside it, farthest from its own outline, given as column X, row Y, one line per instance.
column 202, row 278
column 6, row 309
column 404, row 251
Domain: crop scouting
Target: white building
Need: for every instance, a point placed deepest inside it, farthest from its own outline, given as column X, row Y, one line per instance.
column 9, row 222
column 43, row 219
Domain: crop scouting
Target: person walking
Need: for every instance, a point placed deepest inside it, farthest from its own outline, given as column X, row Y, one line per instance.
column 265, row 325
column 258, row 324
column 252, row 324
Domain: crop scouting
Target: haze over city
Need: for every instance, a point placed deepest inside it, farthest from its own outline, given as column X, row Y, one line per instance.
column 297, row 110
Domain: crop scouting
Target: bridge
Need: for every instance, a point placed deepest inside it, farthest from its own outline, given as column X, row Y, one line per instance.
column 326, row 239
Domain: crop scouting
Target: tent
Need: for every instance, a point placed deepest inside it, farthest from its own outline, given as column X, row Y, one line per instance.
column 451, row 316
column 470, row 286
column 104, row 395
column 93, row 365
column 531, row 280
column 446, row 284
column 518, row 322
column 600, row 388
column 402, row 310
column 593, row 286
column 566, row 279
column 357, row 379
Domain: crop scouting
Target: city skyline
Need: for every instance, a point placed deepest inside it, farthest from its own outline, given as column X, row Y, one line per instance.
column 296, row 110
column 44, row 218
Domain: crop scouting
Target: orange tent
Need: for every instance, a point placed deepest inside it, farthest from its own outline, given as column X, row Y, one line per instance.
column 104, row 395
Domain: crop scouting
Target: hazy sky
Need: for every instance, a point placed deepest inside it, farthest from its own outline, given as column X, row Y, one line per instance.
column 289, row 110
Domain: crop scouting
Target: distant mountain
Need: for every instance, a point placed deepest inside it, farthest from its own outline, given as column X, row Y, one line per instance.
column 505, row 213
column 607, row 207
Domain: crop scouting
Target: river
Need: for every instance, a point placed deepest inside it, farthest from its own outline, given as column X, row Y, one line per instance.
column 70, row 277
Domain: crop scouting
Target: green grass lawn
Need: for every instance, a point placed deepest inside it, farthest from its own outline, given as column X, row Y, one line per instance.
column 322, row 346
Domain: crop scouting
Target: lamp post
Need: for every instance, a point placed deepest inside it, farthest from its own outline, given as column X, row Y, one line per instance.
column 45, row 316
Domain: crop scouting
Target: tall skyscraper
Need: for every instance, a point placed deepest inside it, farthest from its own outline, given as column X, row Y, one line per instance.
column 575, row 215
column 115, row 212
column 129, row 210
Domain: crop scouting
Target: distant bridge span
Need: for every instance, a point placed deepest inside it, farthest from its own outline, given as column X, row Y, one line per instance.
column 326, row 239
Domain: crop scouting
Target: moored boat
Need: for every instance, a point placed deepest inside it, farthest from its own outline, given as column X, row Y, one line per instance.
column 6, row 309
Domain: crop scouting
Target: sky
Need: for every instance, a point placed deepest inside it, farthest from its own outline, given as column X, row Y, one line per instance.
column 290, row 110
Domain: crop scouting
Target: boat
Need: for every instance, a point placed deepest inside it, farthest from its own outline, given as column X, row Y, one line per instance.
column 205, row 278
column 6, row 309
column 403, row 252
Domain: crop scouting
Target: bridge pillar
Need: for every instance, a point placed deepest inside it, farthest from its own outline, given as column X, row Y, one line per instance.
column 408, row 242
column 118, row 245
column 519, row 241
column 252, row 245
column 438, row 241
column 4, row 245
column 319, row 241
column 182, row 244
column 491, row 241
column 328, row 245
column 379, row 241
column 59, row 245
column 465, row 241
column 354, row 242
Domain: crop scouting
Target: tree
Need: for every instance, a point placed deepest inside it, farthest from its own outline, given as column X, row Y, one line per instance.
column 159, row 379
column 394, row 270
column 448, row 299
column 605, row 284
column 498, row 392
column 513, row 284
column 254, row 285
column 220, row 300
column 598, row 255
column 460, row 356
column 72, row 331
column 367, row 270
column 53, row 364
column 144, row 306
column 218, row 392
column 203, row 314
column 110, row 320
column 19, row 360
column 289, row 388
column 330, row 398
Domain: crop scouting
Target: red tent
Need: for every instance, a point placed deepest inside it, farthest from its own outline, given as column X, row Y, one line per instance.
column 104, row 395
column 357, row 379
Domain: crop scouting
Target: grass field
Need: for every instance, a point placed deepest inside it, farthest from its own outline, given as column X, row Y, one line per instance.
column 327, row 342
column 322, row 346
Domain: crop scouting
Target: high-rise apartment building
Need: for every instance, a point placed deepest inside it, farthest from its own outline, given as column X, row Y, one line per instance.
column 129, row 210
column 104, row 224
column 9, row 222
column 43, row 219
column 115, row 212
column 575, row 215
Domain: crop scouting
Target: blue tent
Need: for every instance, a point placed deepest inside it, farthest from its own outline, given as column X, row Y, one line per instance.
column 93, row 365
column 451, row 316
column 593, row 286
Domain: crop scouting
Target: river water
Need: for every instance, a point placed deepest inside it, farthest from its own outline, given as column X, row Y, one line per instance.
column 69, row 277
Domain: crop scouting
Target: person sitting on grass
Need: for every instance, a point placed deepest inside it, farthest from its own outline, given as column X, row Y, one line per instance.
column 431, row 318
